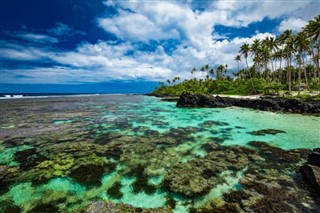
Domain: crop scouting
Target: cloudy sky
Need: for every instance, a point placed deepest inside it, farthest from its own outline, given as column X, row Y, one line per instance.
column 95, row 42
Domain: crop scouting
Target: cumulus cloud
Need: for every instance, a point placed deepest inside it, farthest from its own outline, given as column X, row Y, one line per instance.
column 295, row 24
column 150, row 23
column 88, row 63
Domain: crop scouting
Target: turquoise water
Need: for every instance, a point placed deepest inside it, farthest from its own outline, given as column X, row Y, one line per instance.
column 140, row 151
column 301, row 131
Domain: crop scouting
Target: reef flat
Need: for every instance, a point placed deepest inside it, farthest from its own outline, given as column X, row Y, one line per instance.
column 125, row 153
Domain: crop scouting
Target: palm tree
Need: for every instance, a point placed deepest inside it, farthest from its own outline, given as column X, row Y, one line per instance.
column 219, row 71
column 302, row 46
column 254, row 49
column 265, row 55
column 206, row 67
column 286, row 38
column 211, row 72
column 193, row 71
column 278, row 55
column 273, row 46
column 202, row 71
column 312, row 29
column 244, row 50
column 238, row 59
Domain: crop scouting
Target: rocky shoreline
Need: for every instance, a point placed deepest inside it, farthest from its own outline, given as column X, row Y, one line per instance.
column 265, row 104
column 311, row 170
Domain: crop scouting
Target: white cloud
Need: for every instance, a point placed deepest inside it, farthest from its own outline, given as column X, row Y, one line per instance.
column 295, row 24
column 36, row 38
column 143, row 21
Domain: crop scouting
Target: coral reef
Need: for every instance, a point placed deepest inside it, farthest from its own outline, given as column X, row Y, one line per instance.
column 109, row 207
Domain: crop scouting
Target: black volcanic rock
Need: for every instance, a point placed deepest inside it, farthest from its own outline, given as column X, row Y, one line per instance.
column 311, row 170
column 311, row 175
column 200, row 100
column 265, row 104
column 314, row 157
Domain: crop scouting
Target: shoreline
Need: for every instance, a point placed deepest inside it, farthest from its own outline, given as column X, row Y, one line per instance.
column 274, row 104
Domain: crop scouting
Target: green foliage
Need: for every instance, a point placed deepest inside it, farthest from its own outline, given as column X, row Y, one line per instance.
column 308, row 97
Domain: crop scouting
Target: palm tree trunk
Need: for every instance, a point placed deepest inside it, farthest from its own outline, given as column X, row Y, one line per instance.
column 305, row 74
column 289, row 76
column 280, row 72
column 254, row 89
column 317, row 64
column 299, row 79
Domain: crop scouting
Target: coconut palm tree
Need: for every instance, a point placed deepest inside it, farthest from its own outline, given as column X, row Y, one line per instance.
column 238, row 59
column 302, row 45
column 255, row 53
column 245, row 50
column 193, row 71
column 211, row 72
column 312, row 29
column 206, row 67
column 287, row 39
column 202, row 71
column 273, row 46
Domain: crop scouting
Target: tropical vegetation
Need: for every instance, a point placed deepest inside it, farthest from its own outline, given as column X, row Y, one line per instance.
column 288, row 62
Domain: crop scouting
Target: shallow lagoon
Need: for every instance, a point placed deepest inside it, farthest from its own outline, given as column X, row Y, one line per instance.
column 62, row 154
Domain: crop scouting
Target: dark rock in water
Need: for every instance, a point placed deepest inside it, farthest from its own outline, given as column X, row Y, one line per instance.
column 45, row 208
column 28, row 158
column 114, row 151
column 151, row 132
column 14, row 142
column 141, row 183
column 7, row 177
column 276, row 154
column 88, row 173
column 311, row 174
column 6, row 207
column 314, row 157
column 114, row 190
column 213, row 123
column 239, row 127
column 171, row 202
column 208, row 173
column 265, row 104
column 106, row 138
column 266, row 132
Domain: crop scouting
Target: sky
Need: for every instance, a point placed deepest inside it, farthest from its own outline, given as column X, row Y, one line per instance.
column 126, row 46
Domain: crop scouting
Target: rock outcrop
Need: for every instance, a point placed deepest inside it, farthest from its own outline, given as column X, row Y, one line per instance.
column 311, row 170
column 265, row 104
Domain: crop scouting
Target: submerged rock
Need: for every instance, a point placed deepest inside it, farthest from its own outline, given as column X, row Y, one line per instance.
column 6, row 207
column 45, row 208
column 266, row 132
column 114, row 190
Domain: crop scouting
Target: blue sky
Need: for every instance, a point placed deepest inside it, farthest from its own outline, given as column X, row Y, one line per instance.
column 84, row 44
